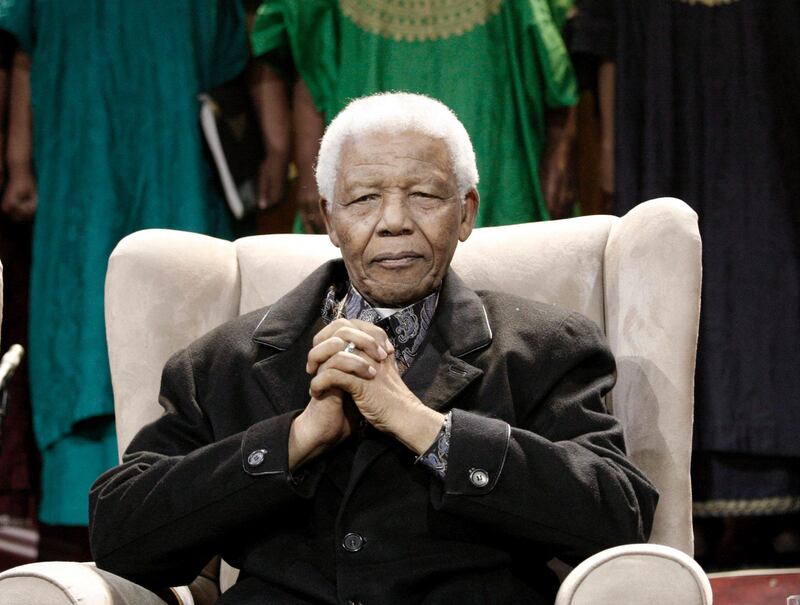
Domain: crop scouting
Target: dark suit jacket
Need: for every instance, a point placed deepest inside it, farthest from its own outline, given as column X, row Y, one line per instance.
column 524, row 381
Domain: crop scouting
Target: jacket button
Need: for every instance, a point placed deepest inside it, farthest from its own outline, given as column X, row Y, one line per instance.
column 353, row 542
column 478, row 477
column 257, row 457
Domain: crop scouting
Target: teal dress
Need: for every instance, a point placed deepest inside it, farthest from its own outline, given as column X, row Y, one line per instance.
column 117, row 148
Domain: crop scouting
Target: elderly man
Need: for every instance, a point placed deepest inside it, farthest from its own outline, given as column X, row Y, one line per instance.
column 382, row 434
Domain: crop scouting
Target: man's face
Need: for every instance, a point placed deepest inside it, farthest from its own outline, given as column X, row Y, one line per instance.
column 397, row 216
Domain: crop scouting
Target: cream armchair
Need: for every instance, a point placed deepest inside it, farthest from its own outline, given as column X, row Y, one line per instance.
column 637, row 276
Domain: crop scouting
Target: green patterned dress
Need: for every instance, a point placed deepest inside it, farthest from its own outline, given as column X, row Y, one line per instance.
column 499, row 64
column 116, row 149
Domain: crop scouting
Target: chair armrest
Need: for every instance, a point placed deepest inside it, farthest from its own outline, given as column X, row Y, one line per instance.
column 636, row 574
column 67, row 583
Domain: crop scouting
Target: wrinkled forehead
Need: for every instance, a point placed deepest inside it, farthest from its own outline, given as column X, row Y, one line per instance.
column 386, row 151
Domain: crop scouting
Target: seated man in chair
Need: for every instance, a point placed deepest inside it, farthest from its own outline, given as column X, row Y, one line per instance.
column 382, row 433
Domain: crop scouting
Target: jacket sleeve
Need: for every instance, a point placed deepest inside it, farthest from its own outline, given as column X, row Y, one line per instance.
column 180, row 494
column 560, row 476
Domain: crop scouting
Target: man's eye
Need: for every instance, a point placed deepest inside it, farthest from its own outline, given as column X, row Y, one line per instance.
column 424, row 195
column 366, row 198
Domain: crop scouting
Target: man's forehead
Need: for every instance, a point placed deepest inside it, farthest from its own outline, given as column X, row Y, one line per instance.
column 381, row 146
column 383, row 134
column 376, row 174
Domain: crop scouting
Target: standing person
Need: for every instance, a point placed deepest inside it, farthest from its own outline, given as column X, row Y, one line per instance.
column 18, row 459
column 116, row 148
column 708, row 109
column 511, row 50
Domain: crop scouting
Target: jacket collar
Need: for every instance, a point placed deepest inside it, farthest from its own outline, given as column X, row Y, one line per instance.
column 460, row 318
column 290, row 315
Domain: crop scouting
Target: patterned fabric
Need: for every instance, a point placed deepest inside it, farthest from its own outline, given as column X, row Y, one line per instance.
column 419, row 21
column 406, row 328
column 435, row 457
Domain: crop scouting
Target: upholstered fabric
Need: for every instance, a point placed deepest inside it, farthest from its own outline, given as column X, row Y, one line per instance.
column 559, row 262
column 63, row 583
column 271, row 265
column 637, row 276
column 652, row 310
column 637, row 574
column 163, row 290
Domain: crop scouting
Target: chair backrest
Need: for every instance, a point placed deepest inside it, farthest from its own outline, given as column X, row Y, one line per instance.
column 637, row 276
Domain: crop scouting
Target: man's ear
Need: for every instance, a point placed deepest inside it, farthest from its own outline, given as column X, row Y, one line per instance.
column 325, row 210
column 469, row 211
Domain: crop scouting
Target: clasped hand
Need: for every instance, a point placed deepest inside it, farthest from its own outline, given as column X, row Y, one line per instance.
column 369, row 375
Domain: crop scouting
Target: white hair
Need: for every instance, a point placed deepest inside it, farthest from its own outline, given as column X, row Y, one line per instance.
column 395, row 112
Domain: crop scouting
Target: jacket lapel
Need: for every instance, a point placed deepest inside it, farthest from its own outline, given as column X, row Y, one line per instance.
column 284, row 387
column 286, row 332
column 460, row 327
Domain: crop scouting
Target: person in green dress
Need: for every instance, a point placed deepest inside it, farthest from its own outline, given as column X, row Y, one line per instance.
column 116, row 147
column 501, row 65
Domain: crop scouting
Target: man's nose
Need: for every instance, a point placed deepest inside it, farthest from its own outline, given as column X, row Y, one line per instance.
column 395, row 218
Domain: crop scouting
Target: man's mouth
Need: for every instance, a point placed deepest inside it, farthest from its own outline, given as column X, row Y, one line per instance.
column 396, row 260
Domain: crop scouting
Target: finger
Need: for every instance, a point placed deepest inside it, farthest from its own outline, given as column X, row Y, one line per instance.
column 331, row 396
column 355, row 363
column 332, row 378
column 371, row 341
column 365, row 335
column 320, row 353
column 364, row 326
column 339, row 342
column 375, row 331
column 331, row 329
